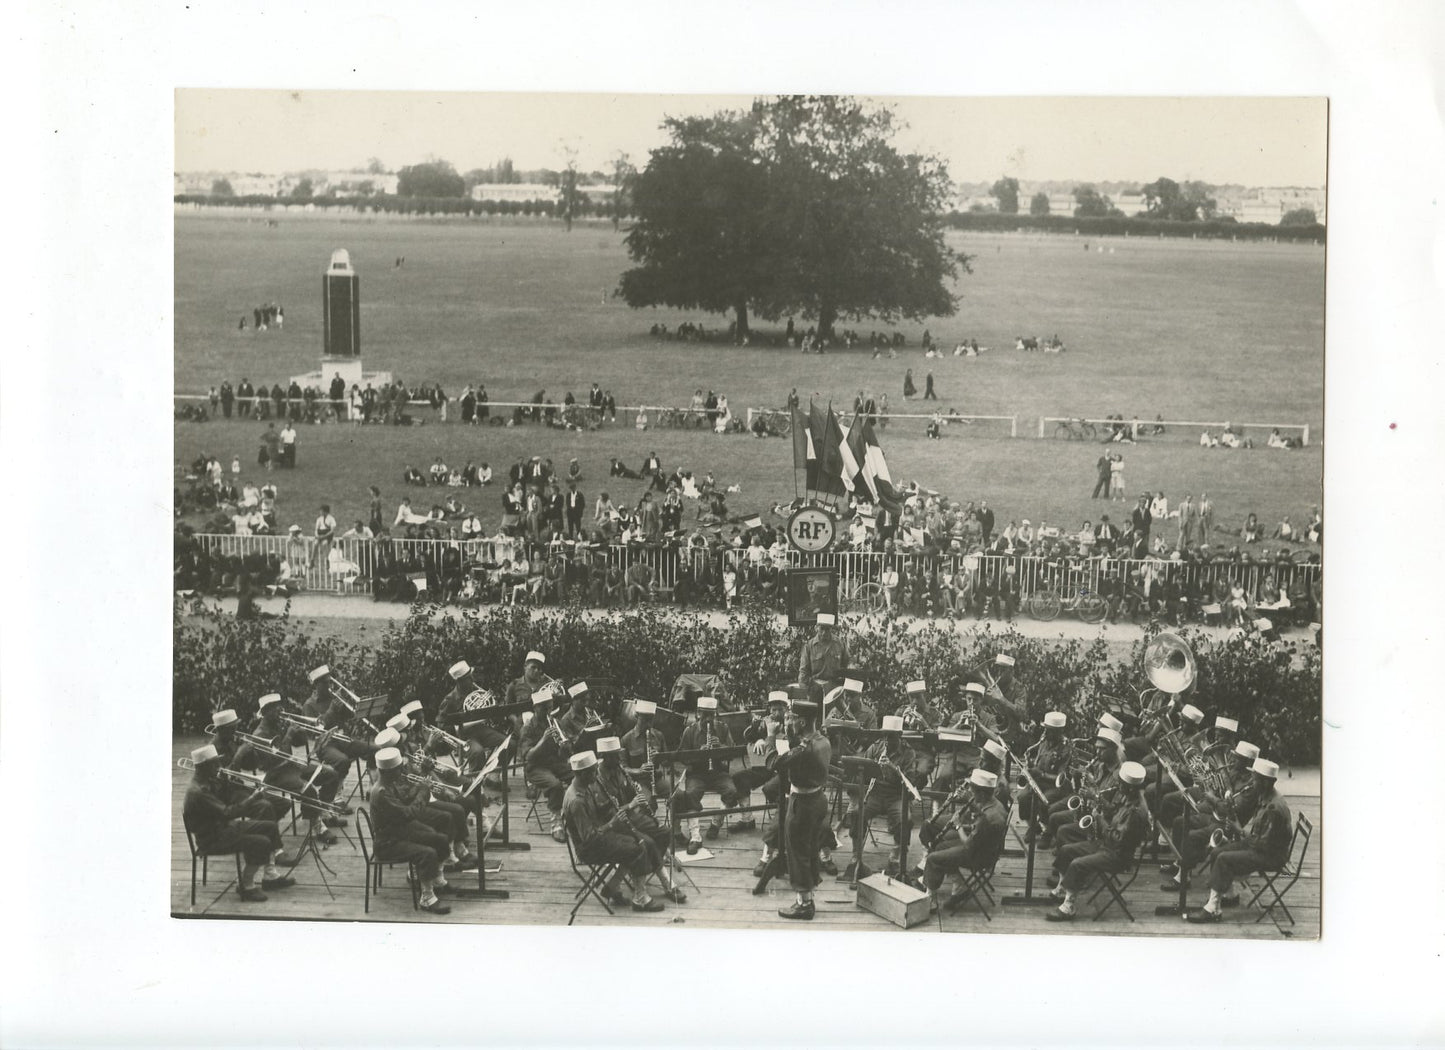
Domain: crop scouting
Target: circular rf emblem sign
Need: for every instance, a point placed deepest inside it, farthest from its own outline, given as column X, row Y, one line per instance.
column 810, row 529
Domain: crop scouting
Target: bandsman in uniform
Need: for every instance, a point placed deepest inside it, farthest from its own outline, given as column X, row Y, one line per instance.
column 545, row 752
column 222, row 827
column 1192, row 830
column 885, row 796
column 805, row 763
column 761, row 737
column 445, row 800
column 1110, row 847
column 639, row 745
column 402, row 835
column 1215, row 745
column 622, row 791
column 1263, row 846
column 325, row 705
column 593, row 824
column 579, row 715
column 1046, row 760
column 706, row 775
column 1097, row 779
column 974, row 841
column 481, row 737
column 295, row 776
column 262, row 807
column 823, row 660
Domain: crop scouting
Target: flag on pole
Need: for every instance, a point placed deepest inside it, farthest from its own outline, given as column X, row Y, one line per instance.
column 826, row 436
column 854, row 454
column 804, row 458
column 875, row 472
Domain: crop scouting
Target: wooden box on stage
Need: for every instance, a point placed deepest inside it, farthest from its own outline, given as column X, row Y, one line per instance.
column 898, row 902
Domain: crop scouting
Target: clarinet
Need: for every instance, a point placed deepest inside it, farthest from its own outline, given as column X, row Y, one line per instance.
column 647, row 762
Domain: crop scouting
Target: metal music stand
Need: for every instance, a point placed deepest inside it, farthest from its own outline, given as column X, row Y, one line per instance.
column 683, row 758
column 481, row 892
column 1182, row 907
column 1031, row 842
column 371, row 708
column 462, row 720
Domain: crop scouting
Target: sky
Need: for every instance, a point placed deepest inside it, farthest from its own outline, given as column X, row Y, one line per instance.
column 1250, row 141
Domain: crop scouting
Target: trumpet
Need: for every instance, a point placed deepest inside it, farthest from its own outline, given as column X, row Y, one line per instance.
column 351, row 700
column 435, row 785
column 564, row 742
column 261, row 745
column 305, row 723
column 260, row 787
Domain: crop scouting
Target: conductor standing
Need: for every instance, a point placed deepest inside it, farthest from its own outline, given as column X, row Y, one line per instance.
column 805, row 764
column 824, row 658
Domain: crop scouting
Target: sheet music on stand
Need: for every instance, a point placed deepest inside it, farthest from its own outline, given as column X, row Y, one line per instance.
column 371, row 708
column 483, row 831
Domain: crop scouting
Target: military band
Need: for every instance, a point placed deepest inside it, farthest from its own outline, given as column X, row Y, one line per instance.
column 1094, row 801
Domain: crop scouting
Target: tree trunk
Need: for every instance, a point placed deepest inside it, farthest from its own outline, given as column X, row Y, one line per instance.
column 740, row 311
column 827, row 314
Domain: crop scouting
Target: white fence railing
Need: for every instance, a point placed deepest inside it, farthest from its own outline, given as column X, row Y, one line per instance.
column 1069, row 426
column 352, row 566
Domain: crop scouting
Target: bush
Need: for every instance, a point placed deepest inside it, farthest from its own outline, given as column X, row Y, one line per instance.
column 221, row 662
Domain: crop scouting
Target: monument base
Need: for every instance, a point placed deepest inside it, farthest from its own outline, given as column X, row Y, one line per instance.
column 350, row 370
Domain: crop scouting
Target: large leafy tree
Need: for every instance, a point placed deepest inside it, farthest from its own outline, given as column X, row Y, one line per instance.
column 802, row 205
column 1006, row 191
column 433, row 178
column 701, row 210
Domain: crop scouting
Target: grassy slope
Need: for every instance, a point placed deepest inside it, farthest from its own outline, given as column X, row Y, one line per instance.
column 1187, row 329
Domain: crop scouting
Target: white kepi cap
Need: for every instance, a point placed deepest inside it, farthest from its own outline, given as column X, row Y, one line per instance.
column 577, row 689
column 994, row 748
column 411, row 707
column 459, row 670
column 204, row 753
column 583, row 760
column 1230, row 724
column 915, row 686
column 388, row 758
column 224, row 718
column 777, row 696
column 1056, row 720
column 608, row 743
column 1004, row 660
column 398, row 721
column 1112, row 735
column 1108, row 720
column 892, row 724
column 535, row 657
column 983, row 778
column 974, row 687
column 644, row 707
column 267, row 700
column 388, row 737
column 1192, row 713
column 707, row 703
column 1265, row 768
column 1244, row 749
column 1132, row 773
column 826, row 619
column 318, row 673
column 852, row 685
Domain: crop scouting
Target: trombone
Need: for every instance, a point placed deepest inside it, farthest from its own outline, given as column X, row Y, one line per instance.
column 260, row 787
column 260, row 745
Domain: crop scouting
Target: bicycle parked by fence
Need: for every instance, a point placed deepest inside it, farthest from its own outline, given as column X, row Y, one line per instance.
column 1050, row 599
column 1075, row 430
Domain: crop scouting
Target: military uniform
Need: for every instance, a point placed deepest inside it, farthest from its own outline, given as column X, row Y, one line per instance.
column 1113, row 851
column 978, row 852
column 806, row 824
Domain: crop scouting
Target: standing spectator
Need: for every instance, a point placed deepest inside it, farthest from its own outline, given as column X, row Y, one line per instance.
column 484, row 410
column 576, row 506
column 985, row 521
column 227, row 397
column 908, row 388
column 244, row 392
column 1188, row 522
column 213, row 395
column 1106, row 536
column 883, row 411
column 1116, row 476
column 374, row 513
column 928, row 394
column 288, row 446
column 1206, row 517
column 1101, row 484
column 1141, row 519
column 324, row 532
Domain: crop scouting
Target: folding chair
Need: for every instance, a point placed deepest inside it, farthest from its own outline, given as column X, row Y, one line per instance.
column 197, row 855
column 598, row 876
column 1116, row 883
column 977, row 884
column 1303, row 829
column 374, row 864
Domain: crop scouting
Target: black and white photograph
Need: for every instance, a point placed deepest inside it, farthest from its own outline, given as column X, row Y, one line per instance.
column 736, row 526
column 870, row 512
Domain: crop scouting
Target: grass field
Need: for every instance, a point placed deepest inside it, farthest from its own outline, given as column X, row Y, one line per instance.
column 1191, row 330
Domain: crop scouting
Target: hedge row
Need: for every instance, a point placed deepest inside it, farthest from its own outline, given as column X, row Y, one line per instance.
column 222, row 662
column 1121, row 226
column 404, row 205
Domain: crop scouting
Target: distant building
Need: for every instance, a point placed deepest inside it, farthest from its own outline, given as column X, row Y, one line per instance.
column 536, row 191
column 1130, row 204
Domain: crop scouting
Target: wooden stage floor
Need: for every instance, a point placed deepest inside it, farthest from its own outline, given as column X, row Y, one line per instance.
column 541, row 887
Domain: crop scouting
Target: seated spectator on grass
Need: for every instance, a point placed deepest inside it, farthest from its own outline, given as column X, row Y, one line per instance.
column 471, row 527
column 412, row 476
column 438, row 472
column 1315, row 531
column 619, row 469
column 1208, row 440
column 250, row 496
column 1284, row 531
column 453, row 507
column 1251, row 532
column 406, row 516
column 484, row 474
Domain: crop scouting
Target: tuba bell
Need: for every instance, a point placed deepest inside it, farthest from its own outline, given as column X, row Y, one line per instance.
column 1169, row 663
